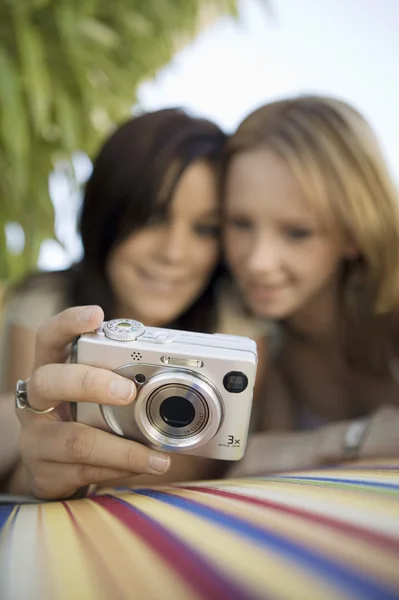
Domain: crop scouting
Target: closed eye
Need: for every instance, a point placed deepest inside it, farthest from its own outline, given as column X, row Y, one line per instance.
column 207, row 230
column 298, row 233
column 238, row 223
column 157, row 219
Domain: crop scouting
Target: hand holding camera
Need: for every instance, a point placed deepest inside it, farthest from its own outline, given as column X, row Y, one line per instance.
column 59, row 456
column 141, row 404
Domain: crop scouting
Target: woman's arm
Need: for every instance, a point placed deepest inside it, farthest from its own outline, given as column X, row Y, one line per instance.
column 9, row 435
column 271, row 452
column 18, row 362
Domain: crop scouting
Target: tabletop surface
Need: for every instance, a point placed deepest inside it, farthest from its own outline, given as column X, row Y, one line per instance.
column 320, row 534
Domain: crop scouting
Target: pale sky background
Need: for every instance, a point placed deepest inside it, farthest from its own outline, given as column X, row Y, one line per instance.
column 348, row 48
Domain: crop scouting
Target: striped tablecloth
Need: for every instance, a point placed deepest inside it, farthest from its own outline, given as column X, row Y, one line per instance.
column 325, row 534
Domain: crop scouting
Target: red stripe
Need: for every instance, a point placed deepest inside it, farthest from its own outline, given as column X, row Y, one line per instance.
column 384, row 541
column 191, row 567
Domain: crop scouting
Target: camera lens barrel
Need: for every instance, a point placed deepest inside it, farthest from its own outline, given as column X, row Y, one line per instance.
column 175, row 409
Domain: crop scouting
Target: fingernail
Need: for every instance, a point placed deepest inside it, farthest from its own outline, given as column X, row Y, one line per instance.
column 87, row 314
column 122, row 389
column 159, row 462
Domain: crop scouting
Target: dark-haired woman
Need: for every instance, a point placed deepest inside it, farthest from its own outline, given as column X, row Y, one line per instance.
column 150, row 231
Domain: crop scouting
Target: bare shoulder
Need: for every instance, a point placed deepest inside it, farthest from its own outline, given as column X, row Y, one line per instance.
column 35, row 300
column 25, row 308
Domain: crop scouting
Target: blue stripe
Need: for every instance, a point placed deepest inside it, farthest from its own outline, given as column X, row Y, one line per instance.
column 293, row 478
column 338, row 574
column 370, row 469
column 5, row 512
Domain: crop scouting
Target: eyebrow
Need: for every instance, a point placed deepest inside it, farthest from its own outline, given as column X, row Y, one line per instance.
column 302, row 220
column 213, row 213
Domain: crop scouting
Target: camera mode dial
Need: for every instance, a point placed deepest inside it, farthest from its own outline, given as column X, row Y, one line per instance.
column 123, row 330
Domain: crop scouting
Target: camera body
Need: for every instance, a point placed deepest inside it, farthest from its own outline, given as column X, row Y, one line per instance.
column 194, row 390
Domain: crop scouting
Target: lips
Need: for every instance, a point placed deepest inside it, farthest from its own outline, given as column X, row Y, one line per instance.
column 265, row 292
column 161, row 284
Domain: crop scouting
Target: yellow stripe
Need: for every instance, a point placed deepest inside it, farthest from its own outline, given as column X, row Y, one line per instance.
column 69, row 568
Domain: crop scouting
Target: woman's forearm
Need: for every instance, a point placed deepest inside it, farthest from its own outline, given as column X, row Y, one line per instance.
column 9, row 435
column 271, row 452
column 378, row 437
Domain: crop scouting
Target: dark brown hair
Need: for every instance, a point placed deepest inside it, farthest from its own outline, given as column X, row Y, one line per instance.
column 133, row 178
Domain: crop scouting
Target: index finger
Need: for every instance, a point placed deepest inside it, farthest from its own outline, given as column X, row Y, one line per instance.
column 55, row 334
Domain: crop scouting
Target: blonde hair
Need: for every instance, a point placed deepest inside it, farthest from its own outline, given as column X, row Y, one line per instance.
column 336, row 159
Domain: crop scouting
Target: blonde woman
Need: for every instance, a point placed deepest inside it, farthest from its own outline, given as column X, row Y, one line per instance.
column 312, row 238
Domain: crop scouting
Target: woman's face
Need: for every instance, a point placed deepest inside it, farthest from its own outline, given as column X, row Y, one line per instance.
column 277, row 249
column 160, row 270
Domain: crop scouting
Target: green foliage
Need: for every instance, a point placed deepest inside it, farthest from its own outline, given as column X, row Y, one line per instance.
column 69, row 69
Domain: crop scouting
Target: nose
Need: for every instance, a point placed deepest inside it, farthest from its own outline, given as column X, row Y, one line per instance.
column 263, row 255
column 174, row 247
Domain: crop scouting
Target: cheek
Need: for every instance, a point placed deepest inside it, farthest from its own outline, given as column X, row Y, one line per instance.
column 119, row 264
column 130, row 249
column 319, row 262
column 133, row 252
column 115, row 263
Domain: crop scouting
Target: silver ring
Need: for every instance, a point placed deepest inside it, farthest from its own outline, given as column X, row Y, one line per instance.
column 22, row 402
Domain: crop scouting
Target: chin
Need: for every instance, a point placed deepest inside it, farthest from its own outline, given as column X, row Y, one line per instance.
column 160, row 318
column 276, row 313
column 157, row 321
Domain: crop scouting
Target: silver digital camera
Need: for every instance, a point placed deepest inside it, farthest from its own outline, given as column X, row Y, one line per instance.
column 194, row 390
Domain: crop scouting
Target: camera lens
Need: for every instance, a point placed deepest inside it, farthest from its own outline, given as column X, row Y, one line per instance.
column 177, row 411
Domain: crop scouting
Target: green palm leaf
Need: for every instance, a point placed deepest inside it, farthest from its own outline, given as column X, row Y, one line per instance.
column 69, row 69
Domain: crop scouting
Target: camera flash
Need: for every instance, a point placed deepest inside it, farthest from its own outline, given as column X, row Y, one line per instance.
column 182, row 362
